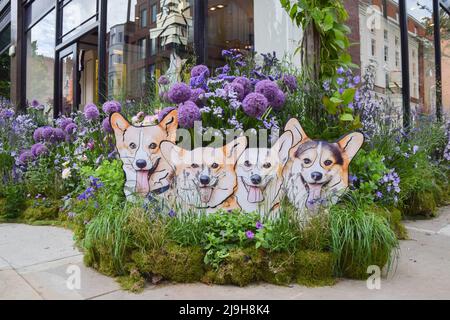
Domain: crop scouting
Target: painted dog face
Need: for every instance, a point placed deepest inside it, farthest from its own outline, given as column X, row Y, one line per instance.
column 205, row 177
column 259, row 168
column 321, row 166
column 139, row 147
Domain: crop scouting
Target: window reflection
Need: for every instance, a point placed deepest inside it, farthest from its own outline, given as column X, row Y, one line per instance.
column 75, row 13
column 142, row 37
column 40, row 41
column 230, row 26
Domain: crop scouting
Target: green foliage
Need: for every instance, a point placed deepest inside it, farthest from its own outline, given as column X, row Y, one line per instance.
column 111, row 175
column 360, row 238
column 41, row 210
column 14, row 201
column 328, row 18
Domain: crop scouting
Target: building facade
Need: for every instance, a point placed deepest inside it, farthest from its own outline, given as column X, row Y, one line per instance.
column 67, row 53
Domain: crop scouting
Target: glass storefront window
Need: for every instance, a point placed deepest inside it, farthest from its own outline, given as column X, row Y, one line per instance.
column 76, row 13
column 36, row 10
column 422, row 58
column 230, row 26
column 140, row 50
column 67, row 85
column 40, row 49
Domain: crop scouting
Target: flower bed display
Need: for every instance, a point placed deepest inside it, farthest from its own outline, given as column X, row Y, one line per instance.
column 115, row 175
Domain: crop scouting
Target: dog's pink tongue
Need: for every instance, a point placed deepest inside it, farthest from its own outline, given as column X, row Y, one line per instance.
column 142, row 186
column 255, row 195
column 315, row 192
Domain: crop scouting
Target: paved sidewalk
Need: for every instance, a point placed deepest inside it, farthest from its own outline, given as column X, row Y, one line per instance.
column 34, row 262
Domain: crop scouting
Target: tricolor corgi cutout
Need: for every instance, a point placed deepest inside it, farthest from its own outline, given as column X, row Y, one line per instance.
column 139, row 149
column 205, row 178
column 317, row 171
column 260, row 177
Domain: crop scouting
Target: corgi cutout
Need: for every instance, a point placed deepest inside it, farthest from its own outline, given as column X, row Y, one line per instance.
column 205, row 178
column 317, row 171
column 260, row 177
column 139, row 149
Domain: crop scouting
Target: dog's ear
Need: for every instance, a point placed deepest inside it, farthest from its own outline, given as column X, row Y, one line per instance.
column 119, row 123
column 298, row 134
column 283, row 145
column 172, row 153
column 170, row 125
column 234, row 149
column 351, row 144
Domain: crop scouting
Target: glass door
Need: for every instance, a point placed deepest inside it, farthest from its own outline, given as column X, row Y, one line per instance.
column 68, row 95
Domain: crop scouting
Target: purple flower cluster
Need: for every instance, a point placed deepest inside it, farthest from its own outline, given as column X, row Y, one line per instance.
column 91, row 112
column 255, row 105
column 89, row 193
column 49, row 135
column 188, row 113
column 38, row 150
column 290, row 82
column 179, row 93
column 111, row 107
column 390, row 184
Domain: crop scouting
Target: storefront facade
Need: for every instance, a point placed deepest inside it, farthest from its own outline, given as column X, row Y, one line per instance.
column 67, row 53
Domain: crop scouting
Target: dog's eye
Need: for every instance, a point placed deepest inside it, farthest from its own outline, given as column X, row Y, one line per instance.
column 328, row 163
column 133, row 146
column 215, row 166
column 267, row 165
column 247, row 163
column 195, row 166
column 153, row 146
column 307, row 161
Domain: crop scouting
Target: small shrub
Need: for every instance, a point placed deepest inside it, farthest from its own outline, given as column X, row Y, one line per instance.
column 14, row 201
column 41, row 210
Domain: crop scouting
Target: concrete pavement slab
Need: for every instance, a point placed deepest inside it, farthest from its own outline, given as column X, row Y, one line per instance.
column 4, row 265
column 23, row 245
column 431, row 225
column 14, row 287
column 57, row 280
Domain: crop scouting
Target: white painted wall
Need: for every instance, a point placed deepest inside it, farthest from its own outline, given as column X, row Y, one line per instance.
column 274, row 30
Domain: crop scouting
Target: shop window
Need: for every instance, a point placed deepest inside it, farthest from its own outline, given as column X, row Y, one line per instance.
column 154, row 12
column 75, row 14
column 40, row 53
column 143, row 18
column 230, row 26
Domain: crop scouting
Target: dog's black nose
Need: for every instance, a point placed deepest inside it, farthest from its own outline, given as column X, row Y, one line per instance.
column 205, row 180
column 141, row 164
column 316, row 176
column 256, row 179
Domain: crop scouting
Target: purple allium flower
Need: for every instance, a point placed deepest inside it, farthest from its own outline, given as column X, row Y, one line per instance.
column 179, row 93
column 64, row 122
column 71, row 128
column 250, row 235
column 106, row 126
column 290, row 82
column 58, row 135
column 164, row 112
column 279, row 102
column 236, row 88
column 197, row 96
column 200, row 70
column 38, row 150
column 246, row 83
column 163, row 80
column 25, row 157
column 188, row 113
column 255, row 105
column 37, row 135
column 47, row 133
column 267, row 88
column 259, row 225
column 110, row 107
column 35, row 103
column 91, row 112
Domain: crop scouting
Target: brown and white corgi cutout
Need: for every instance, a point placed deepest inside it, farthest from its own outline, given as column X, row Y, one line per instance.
column 317, row 172
column 260, row 177
column 139, row 149
column 205, row 178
